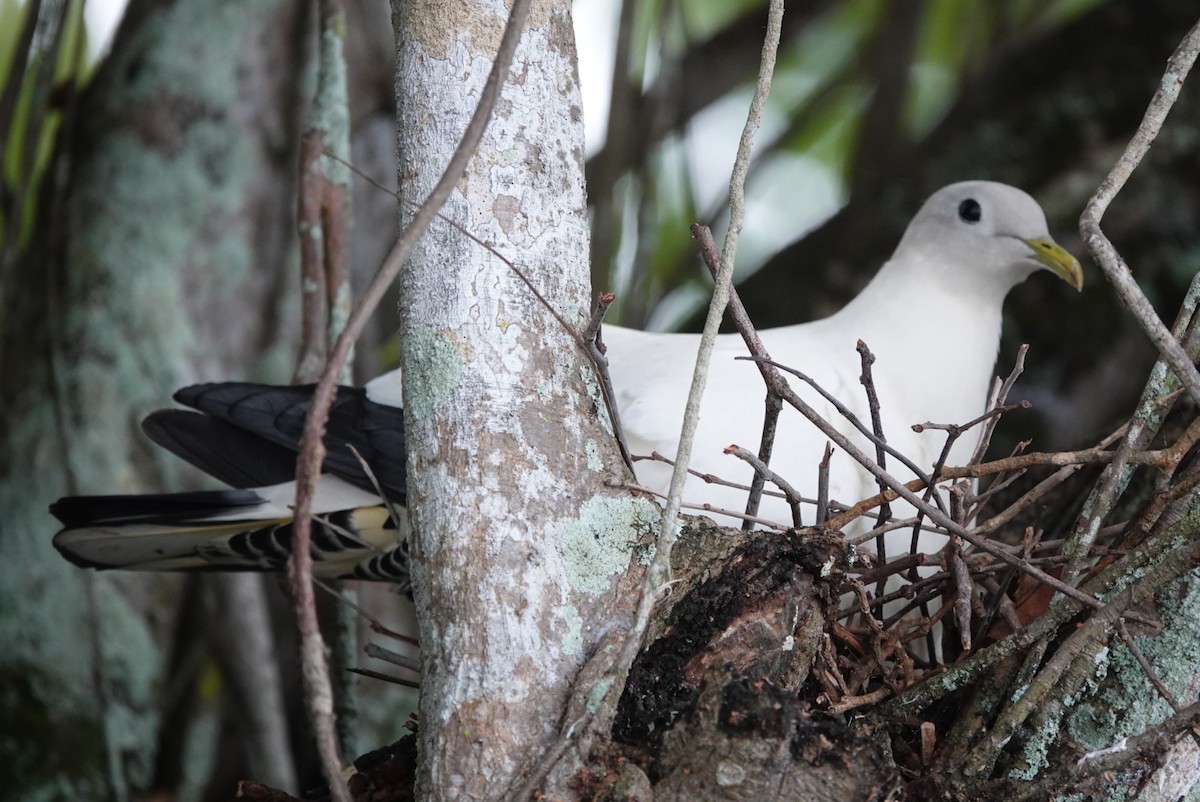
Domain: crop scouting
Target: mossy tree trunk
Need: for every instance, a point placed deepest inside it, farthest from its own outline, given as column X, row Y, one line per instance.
column 165, row 256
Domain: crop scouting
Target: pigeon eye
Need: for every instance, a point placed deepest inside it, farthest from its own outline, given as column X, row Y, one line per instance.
column 969, row 211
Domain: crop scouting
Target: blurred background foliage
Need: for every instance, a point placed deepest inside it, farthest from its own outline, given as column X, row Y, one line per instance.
column 44, row 59
column 875, row 104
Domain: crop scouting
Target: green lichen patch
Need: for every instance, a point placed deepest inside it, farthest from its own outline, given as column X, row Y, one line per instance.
column 602, row 540
column 432, row 370
column 572, row 639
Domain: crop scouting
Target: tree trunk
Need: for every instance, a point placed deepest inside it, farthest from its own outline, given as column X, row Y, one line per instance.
column 523, row 558
column 174, row 210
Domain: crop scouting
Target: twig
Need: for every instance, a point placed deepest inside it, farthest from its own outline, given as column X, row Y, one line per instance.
column 705, row 507
column 868, row 382
column 850, row 702
column 594, row 346
column 1164, row 458
column 789, row 493
column 985, row 438
column 958, row 429
column 772, row 407
column 323, row 212
column 362, row 613
column 366, row 672
column 312, row 449
column 1099, row 246
column 953, row 432
column 1148, row 669
column 963, row 591
column 1000, row 484
column 771, row 378
column 890, row 526
column 879, row 443
column 1001, row 604
column 389, row 656
column 710, row 478
column 843, row 519
column 823, row 485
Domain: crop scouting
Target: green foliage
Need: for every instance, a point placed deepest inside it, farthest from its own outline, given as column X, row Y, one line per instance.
column 822, row 86
column 56, row 67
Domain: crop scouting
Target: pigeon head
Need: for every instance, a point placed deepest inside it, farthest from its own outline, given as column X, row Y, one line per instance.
column 988, row 234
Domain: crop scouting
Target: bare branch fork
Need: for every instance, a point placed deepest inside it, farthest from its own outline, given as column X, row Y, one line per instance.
column 1099, row 246
column 880, row 443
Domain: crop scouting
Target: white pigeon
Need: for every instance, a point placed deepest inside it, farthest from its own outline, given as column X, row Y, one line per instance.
column 932, row 317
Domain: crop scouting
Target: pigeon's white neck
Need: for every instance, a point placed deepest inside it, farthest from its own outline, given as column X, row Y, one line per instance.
column 949, row 327
column 930, row 294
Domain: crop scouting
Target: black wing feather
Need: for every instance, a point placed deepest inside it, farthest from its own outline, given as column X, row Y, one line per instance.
column 276, row 413
column 159, row 508
column 226, row 452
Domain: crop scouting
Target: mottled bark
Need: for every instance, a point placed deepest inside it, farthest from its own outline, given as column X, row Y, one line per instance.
column 161, row 262
column 523, row 558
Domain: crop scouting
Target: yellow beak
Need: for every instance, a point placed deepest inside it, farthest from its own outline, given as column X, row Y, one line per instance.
column 1057, row 260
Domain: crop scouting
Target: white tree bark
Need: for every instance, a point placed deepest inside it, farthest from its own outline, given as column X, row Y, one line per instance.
column 519, row 545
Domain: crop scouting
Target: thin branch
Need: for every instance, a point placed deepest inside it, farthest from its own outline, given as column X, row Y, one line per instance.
column 774, row 402
column 964, row 590
column 395, row 658
column 890, row 526
column 823, row 485
column 323, row 212
column 710, row 478
column 593, row 343
column 366, row 672
column 703, row 507
column 1006, row 386
column 845, row 412
column 789, row 493
column 364, row 614
column 1099, row 246
column 868, row 382
column 1147, row 669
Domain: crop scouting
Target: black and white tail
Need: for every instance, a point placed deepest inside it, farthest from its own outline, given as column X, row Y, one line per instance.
column 247, row 436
